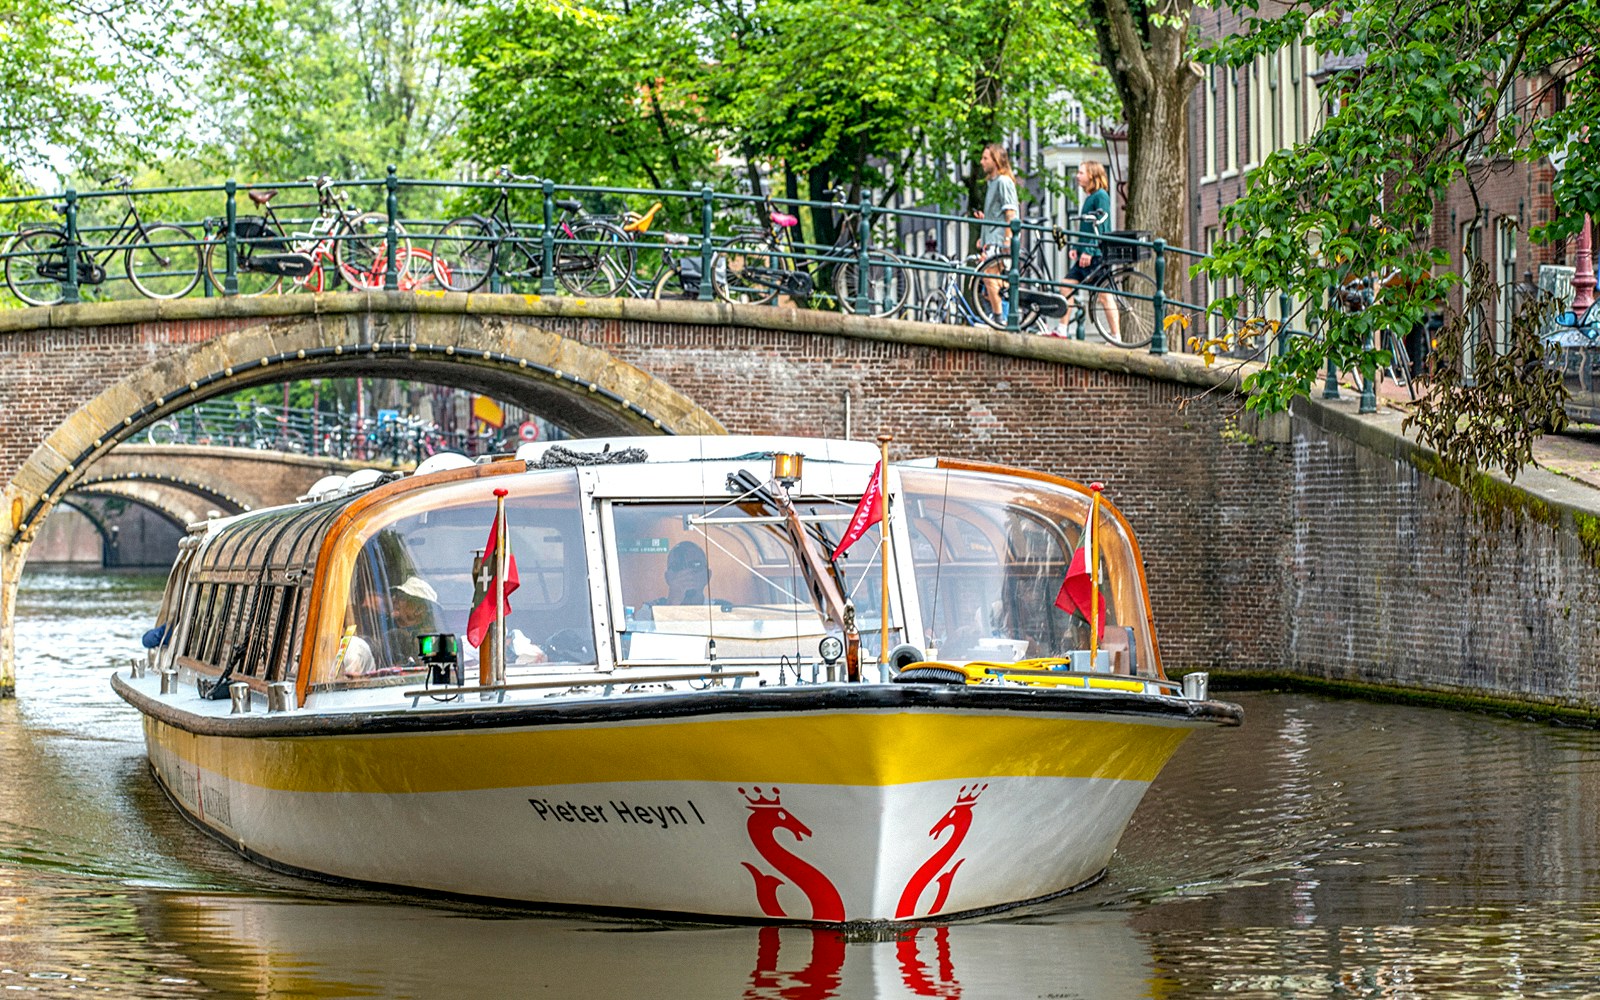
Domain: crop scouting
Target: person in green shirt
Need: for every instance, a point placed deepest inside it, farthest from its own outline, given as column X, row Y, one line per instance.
column 1084, row 252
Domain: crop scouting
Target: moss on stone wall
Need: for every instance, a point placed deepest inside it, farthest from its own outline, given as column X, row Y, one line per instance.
column 1494, row 504
column 1588, row 528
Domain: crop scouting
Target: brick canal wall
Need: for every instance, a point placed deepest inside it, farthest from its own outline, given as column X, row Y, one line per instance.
column 1400, row 578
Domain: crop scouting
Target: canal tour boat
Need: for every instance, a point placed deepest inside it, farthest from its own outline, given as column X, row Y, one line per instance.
column 702, row 676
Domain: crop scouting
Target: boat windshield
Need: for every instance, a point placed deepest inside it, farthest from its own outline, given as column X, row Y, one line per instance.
column 411, row 568
column 990, row 553
column 697, row 583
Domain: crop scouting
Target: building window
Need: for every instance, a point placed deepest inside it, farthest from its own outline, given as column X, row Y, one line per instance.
column 1506, row 275
column 1209, row 162
column 1297, row 113
column 1275, row 100
column 1231, row 131
column 1253, row 117
column 1471, row 251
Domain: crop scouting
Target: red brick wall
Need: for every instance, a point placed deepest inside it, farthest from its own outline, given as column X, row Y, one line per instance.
column 1210, row 514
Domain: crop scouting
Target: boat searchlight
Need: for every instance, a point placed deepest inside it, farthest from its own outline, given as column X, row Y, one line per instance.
column 786, row 468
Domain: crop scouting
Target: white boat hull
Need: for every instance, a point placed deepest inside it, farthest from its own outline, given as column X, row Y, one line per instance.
column 833, row 816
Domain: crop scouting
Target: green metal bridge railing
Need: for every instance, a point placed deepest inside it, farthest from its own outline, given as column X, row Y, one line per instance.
column 77, row 252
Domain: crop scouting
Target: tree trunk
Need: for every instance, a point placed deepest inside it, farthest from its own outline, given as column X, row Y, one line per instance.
column 1158, row 170
column 1150, row 66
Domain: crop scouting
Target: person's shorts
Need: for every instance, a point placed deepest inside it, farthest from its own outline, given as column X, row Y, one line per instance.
column 1078, row 272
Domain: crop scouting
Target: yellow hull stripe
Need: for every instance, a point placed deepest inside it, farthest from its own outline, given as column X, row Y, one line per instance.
column 860, row 749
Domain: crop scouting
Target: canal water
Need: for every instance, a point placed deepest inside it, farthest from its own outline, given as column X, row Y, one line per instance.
column 1327, row 848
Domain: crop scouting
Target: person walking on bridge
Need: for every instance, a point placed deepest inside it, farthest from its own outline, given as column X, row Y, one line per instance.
column 999, row 203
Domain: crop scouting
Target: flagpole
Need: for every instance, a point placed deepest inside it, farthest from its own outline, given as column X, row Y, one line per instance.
column 883, row 563
column 480, row 566
column 1094, row 577
column 500, row 550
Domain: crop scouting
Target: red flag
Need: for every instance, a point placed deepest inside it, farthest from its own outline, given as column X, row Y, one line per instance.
column 868, row 512
column 483, row 615
column 1075, row 589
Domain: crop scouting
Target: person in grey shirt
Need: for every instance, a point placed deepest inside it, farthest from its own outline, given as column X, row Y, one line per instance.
column 999, row 203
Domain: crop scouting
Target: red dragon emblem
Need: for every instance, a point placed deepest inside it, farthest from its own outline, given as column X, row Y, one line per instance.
column 959, row 819
column 767, row 817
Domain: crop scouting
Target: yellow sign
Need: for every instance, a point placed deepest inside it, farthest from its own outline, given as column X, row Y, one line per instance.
column 488, row 411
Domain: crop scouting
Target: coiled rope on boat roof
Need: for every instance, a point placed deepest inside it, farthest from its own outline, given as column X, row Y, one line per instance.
column 556, row 457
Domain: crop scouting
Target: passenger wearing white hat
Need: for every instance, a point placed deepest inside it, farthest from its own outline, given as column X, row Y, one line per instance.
column 415, row 612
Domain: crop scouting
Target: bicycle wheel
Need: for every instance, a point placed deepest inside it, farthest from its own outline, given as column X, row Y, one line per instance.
column 671, row 286
column 361, row 250
column 991, row 280
column 251, row 282
column 746, row 272
column 584, row 268
column 935, row 308
column 166, row 262
column 466, row 248
column 887, row 287
column 163, row 432
column 36, row 266
column 1129, row 319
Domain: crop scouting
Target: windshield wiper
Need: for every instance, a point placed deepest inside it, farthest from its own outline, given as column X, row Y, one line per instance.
column 821, row 574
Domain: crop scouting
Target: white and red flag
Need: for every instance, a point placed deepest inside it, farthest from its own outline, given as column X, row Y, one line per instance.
column 868, row 512
column 484, row 614
column 1078, row 591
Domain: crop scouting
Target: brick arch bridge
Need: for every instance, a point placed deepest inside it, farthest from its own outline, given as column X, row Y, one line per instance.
column 187, row 482
column 1312, row 544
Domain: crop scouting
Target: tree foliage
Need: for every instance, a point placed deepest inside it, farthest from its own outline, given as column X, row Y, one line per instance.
column 1424, row 103
column 91, row 85
column 347, row 87
column 823, row 93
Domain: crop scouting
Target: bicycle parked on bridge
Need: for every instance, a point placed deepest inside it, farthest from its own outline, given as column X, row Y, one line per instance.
column 1121, row 294
column 160, row 259
column 341, row 244
column 592, row 257
column 760, row 265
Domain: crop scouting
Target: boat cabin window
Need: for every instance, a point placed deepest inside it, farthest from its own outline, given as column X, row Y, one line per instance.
column 990, row 556
column 244, row 599
column 695, row 583
column 415, row 567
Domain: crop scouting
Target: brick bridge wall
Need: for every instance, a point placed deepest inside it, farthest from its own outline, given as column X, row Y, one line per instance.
column 1308, row 544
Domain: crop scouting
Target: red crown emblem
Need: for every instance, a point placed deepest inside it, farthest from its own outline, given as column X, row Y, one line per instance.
column 758, row 799
column 969, row 794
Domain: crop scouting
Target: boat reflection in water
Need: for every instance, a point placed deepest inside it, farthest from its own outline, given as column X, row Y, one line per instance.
column 353, row 948
column 713, row 690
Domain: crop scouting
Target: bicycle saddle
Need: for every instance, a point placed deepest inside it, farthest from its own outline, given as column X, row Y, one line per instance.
column 262, row 197
column 783, row 220
column 642, row 223
column 568, row 204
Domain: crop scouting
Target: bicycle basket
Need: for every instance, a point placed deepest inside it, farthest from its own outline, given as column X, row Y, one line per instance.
column 1127, row 253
